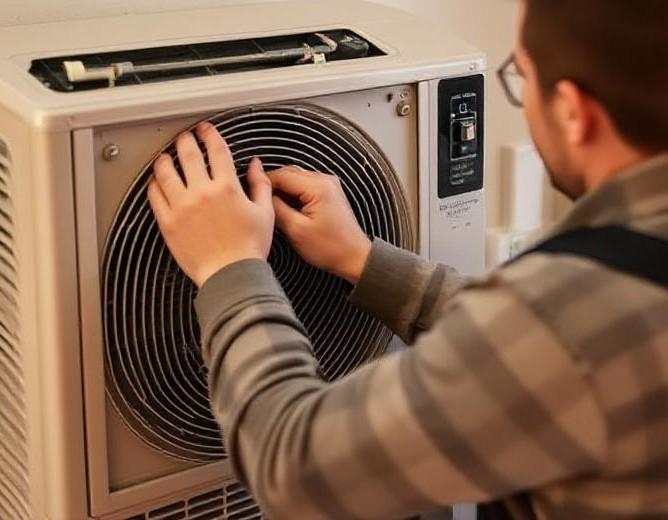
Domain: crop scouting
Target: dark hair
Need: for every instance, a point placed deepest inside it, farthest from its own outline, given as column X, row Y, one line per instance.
column 616, row 50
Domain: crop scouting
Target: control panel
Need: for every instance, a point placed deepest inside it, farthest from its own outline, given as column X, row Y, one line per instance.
column 461, row 103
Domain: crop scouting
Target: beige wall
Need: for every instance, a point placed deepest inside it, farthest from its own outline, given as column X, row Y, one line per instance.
column 488, row 24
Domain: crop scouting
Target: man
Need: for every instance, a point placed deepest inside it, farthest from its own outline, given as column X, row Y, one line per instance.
column 543, row 385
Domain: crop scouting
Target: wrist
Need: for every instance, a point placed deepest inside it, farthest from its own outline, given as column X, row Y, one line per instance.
column 356, row 262
column 203, row 275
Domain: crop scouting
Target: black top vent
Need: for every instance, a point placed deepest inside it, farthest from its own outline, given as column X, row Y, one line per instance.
column 133, row 67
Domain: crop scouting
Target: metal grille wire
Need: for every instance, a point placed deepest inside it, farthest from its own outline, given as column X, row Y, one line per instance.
column 155, row 375
column 14, row 481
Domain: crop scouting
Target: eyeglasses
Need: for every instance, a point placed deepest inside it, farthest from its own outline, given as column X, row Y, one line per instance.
column 512, row 80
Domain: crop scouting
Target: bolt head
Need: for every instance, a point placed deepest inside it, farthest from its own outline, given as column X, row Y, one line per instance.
column 404, row 108
column 111, row 152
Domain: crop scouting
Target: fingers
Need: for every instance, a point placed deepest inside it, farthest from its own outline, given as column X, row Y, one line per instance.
column 159, row 203
column 220, row 156
column 292, row 181
column 191, row 159
column 168, row 178
column 287, row 218
column 259, row 184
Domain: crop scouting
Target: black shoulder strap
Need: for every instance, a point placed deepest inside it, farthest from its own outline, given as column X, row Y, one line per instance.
column 616, row 247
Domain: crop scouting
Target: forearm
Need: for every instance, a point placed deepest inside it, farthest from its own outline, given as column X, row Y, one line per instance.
column 263, row 381
column 403, row 290
column 293, row 439
column 399, row 436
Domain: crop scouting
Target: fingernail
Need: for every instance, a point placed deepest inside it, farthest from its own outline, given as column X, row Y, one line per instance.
column 259, row 163
column 204, row 125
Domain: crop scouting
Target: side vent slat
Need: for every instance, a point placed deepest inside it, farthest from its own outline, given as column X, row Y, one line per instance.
column 170, row 512
column 10, row 362
column 229, row 503
column 14, row 477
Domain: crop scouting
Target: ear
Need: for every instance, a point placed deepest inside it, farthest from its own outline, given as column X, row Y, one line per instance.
column 576, row 112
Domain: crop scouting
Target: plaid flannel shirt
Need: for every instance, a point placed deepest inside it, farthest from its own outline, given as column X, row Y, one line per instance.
column 544, row 384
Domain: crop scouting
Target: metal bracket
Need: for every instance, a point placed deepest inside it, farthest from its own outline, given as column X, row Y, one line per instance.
column 77, row 72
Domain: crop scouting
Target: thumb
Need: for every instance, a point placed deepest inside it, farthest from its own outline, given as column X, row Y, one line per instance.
column 259, row 184
column 287, row 218
column 293, row 181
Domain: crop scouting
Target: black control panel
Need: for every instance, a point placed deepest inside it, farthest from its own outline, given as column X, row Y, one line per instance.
column 461, row 134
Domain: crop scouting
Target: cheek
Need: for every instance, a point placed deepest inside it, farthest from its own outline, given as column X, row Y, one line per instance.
column 541, row 131
column 549, row 143
column 533, row 113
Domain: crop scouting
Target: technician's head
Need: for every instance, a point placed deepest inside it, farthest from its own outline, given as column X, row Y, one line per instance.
column 595, row 87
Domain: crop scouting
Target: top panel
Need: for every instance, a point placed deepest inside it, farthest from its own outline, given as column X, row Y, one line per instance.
column 403, row 49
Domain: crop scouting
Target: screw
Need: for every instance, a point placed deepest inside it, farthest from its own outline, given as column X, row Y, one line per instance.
column 404, row 108
column 405, row 94
column 111, row 152
column 473, row 67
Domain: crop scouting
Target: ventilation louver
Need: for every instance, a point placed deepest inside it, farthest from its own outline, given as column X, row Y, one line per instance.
column 14, row 483
column 155, row 375
column 231, row 503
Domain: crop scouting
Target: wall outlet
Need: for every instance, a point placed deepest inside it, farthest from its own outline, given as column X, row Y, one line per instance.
column 503, row 245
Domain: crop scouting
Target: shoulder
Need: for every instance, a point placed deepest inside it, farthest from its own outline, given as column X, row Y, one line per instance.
column 596, row 311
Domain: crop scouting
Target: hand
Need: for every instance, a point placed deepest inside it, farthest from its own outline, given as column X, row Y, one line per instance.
column 209, row 222
column 323, row 228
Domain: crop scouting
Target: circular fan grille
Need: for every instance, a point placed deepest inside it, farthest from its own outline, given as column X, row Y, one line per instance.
column 155, row 375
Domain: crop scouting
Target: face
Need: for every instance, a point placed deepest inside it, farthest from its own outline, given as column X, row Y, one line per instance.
column 543, row 117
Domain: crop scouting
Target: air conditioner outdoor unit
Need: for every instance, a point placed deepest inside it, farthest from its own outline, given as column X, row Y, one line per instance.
column 104, row 411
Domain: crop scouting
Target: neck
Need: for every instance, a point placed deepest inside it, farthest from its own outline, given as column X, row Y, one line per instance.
column 609, row 164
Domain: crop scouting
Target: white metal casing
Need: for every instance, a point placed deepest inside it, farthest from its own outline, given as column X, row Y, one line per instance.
column 81, row 460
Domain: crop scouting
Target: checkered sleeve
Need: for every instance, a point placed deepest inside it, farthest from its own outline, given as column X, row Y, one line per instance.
column 486, row 404
column 404, row 291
